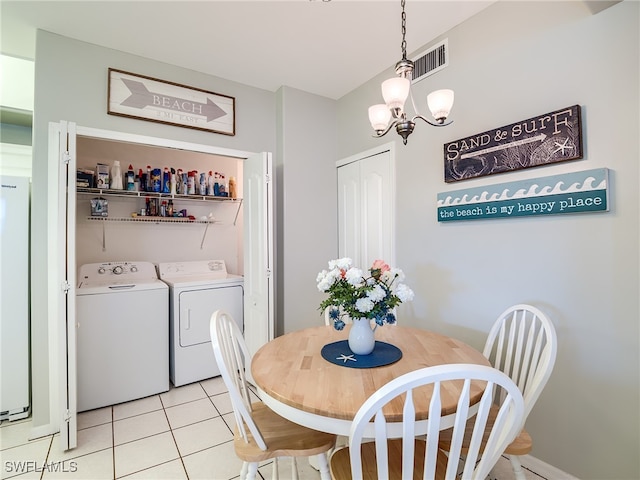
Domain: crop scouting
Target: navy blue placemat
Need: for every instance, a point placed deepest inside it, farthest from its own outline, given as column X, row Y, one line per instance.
column 340, row 354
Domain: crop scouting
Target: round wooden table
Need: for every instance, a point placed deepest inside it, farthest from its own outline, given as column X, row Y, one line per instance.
column 295, row 381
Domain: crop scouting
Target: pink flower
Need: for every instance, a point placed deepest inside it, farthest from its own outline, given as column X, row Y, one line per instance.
column 378, row 268
column 380, row 265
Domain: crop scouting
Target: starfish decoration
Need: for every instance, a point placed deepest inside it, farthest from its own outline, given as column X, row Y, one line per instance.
column 344, row 358
column 562, row 146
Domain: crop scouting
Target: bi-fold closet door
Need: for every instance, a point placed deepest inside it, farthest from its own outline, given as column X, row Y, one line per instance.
column 366, row 207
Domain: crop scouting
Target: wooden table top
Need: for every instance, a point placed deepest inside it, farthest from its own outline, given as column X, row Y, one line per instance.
column 291, row 370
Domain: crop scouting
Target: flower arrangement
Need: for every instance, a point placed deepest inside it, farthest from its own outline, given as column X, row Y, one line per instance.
column 355, row 295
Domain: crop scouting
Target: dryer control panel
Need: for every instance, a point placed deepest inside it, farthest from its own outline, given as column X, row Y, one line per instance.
column 200, row 268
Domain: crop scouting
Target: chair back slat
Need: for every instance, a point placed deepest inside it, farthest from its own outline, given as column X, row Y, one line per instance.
column 408, row 432
column 433, row 432
column 437, row 379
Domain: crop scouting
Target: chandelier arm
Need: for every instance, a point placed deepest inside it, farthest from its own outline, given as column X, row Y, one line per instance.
column 435, row 124
column 382, row 133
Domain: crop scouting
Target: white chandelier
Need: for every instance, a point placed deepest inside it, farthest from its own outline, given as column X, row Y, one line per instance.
column 395, row 91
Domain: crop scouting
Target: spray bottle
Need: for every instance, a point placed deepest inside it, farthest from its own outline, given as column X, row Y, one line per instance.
column 173, row 183
column 116, row 176
column 131, row 179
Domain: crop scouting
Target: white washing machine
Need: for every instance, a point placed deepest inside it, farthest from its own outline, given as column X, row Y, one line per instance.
column 122, row 313
column 196, row 290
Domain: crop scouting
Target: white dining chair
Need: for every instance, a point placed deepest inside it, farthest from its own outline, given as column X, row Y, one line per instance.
column 260, row 434
column 523, row 344
column 410, row 450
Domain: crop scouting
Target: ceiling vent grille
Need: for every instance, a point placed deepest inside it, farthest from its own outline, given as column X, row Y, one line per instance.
column 432, row 61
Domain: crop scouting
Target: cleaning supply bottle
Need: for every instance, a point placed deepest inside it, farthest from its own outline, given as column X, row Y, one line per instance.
column 179, row 181
column 216, row 185
column 191, row 182
column 156, row 180
column 148, row 186
column 173, row 182
column 131, row 179
column 223, row 187
column 203, row 184
column 116, row 176
column 142, row 181
column 185, row 183
column 166, row 188
column 233, row 192
column 210, row 183
column 170, row 208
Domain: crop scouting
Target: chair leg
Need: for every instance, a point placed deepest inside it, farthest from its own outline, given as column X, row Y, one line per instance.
column 252, row 470
column 243, row 470
column 294, row 469
column 517, row 467
column 275, row 473
column 324, row 466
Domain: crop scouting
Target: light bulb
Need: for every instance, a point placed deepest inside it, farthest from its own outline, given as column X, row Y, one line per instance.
column 395, row 92
column 440, row 103
column 379, row 116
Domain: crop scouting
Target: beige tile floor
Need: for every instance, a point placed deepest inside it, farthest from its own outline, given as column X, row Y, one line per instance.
column 185, row 433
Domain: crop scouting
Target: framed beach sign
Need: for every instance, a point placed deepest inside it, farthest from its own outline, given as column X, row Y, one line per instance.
column 577, row 192
column 146, row 98
column 541, row 140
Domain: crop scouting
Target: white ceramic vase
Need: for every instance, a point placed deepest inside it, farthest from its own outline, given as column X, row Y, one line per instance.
column 361, row 337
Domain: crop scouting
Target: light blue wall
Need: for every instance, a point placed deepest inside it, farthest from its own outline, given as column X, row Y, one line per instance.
column 307, row 196
column 511, row 62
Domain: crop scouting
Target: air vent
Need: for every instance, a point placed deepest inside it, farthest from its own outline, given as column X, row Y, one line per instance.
column 432, row 61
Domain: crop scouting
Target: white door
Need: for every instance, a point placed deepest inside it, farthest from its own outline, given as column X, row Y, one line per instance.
column 259, row 311
column 66, row 268
column 366, row 208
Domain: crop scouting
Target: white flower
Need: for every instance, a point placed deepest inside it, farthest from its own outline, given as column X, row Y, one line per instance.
column 364, row 305
column 340, row 263
column 321, row 275
column 354, row 276
column 376, row 294
column 324, row 284
column 404, row 293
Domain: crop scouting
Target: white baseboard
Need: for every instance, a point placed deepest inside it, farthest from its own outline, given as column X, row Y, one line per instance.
column 42, row 431
column 544, row 469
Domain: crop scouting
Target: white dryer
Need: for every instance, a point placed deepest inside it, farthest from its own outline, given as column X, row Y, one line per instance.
column 196, row 290
column 122, row 313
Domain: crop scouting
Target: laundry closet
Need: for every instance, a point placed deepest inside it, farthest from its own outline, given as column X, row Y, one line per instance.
column 140, row 283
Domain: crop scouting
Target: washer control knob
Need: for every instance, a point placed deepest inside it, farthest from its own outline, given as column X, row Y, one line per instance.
column 117, row 270
column 101, row 270
column 134, row 269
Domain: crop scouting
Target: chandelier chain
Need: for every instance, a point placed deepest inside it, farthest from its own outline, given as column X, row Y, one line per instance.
column 404, row 32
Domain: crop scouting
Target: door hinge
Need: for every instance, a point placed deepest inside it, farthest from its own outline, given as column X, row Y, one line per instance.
column 67, row 416
column 66, row 286
column 268, row 272
column 267, row 178
column 66, row 157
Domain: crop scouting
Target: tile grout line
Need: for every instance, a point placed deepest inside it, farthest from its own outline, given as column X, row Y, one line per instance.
column 164, row 410
column 113, row 442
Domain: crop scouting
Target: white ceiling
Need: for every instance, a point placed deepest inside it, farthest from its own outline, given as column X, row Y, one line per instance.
column 326, row 48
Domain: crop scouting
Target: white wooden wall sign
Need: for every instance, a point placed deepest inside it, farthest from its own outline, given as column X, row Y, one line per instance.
column 578, row 192
column 548, row 138
column 146, row 98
